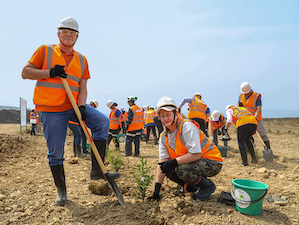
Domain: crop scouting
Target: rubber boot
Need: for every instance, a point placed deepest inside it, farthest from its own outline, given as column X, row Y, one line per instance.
column 244, row 157
column 187, row 187
column 59, row 179
column 207, row 187
column 253, row 157
column 75, row 152
column 78, row 152
column 96, row 172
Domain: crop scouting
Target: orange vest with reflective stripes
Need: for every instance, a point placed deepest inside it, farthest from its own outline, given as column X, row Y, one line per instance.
column 137, row 122
column 216, row 124
column 197, row 109
column 149, row 116
column 242, row 116
column 250, row 103
column 124, row 116
column 208, row 149
column 114, row 125
column 50, row 91
column 34, row 116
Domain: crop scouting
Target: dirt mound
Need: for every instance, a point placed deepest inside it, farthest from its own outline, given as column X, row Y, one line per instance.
column 27, row 190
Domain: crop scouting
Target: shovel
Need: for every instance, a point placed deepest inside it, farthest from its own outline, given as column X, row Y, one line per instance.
column 112, row 183
column 267, row 153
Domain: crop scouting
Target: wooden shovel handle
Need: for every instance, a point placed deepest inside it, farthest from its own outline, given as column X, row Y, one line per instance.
column 83, row 125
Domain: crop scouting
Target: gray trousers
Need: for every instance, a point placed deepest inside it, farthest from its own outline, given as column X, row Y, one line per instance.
column 262, row 131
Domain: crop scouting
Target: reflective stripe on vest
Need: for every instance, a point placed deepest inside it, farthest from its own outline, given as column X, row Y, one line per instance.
column 197, row 109
column 208, row 149
column 137, row 122
column 113, row 120
column 242, row 116
column 250, row 103
column 50, row 91
column 149, row 117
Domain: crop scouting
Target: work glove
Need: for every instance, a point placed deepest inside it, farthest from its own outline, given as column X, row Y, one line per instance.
column 225, row 136
column 156, row 195
column 219, row 132
column 82, row 111
column 58, row 71
column 168, row 166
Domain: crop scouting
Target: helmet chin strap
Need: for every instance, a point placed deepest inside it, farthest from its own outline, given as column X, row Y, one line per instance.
column 173, row 118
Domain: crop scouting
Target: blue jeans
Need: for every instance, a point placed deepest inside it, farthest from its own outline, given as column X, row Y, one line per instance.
column 77, row 133
column 55, row 129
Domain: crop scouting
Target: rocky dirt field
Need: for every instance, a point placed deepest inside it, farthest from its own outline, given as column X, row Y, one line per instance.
column 27, row 190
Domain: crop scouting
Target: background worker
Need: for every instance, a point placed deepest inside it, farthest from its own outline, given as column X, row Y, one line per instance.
column 33, row 120
column 75, row 127
column 158, row 124
column 246, row 125
column 48, row 65
column 216, row 123
column 198, row 110
column 186, row 155
column 115, row 123
column 150, row 124
column 124, row 117
column 252, row 101
column 134, row 127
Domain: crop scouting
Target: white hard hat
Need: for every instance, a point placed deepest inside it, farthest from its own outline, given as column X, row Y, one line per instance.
column 68, row 23
column 166, row 103
column 110, row 103
column 215, row 115
column 132, row 98
column 227, row 107
column 95, row 102
column 245, row 88
column 197, row 93
column 33, row 108
column 151, row 107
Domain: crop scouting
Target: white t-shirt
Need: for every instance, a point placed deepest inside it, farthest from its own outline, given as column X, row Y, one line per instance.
column 229, row 115
column 190, row 135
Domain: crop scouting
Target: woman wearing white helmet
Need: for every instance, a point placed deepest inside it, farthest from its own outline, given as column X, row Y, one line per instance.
column 115, row 123
column 246, row 125
column 216, row 122
column 186, row 155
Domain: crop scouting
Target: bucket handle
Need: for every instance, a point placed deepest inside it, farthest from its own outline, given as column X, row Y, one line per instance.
column 240, row 201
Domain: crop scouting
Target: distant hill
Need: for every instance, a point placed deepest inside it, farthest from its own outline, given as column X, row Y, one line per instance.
column 9, row 107
column 280, row 113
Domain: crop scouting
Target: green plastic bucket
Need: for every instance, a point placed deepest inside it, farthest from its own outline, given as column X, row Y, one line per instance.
column 223, row 150
column 248, row 195
column 120, row 138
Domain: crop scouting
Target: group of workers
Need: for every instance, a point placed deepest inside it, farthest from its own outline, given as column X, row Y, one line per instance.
column 186, row 155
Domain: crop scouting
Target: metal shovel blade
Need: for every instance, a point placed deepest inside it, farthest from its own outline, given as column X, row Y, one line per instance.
column 268, row 155
column 115, row 189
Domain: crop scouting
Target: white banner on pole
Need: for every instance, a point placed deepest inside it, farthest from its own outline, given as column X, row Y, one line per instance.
column 23, row 111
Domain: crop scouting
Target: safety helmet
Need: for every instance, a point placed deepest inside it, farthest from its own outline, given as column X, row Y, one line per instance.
column 33, row 108
column 151, row 107
column 228, row 106
column 132, row 99
column 69, row 23
column 95, row 102
column 110, row 103
column 215, row 115
column 166, row 103
column 245, row 88
column 197, row 94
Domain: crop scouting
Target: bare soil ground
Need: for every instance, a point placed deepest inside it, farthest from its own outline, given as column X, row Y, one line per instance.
column 27, row 190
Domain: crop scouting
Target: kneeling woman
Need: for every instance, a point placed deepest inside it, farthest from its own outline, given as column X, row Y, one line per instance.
column 186, row 155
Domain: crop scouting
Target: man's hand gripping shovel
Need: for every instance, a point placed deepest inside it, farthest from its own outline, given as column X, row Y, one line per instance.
column 92, row 144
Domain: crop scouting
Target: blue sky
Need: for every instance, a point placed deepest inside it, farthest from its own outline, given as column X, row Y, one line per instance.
column 155, row 48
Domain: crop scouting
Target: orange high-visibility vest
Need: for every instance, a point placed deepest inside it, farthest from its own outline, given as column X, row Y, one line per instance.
column 197, row 109
column 216, row 124
column 250, row 103
column 33, row 115
column 242, row 116
column 149, row 116
column 114, row 125
column 50, row 91
column 137, row 122
column 124, row 116
column 208, row 149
